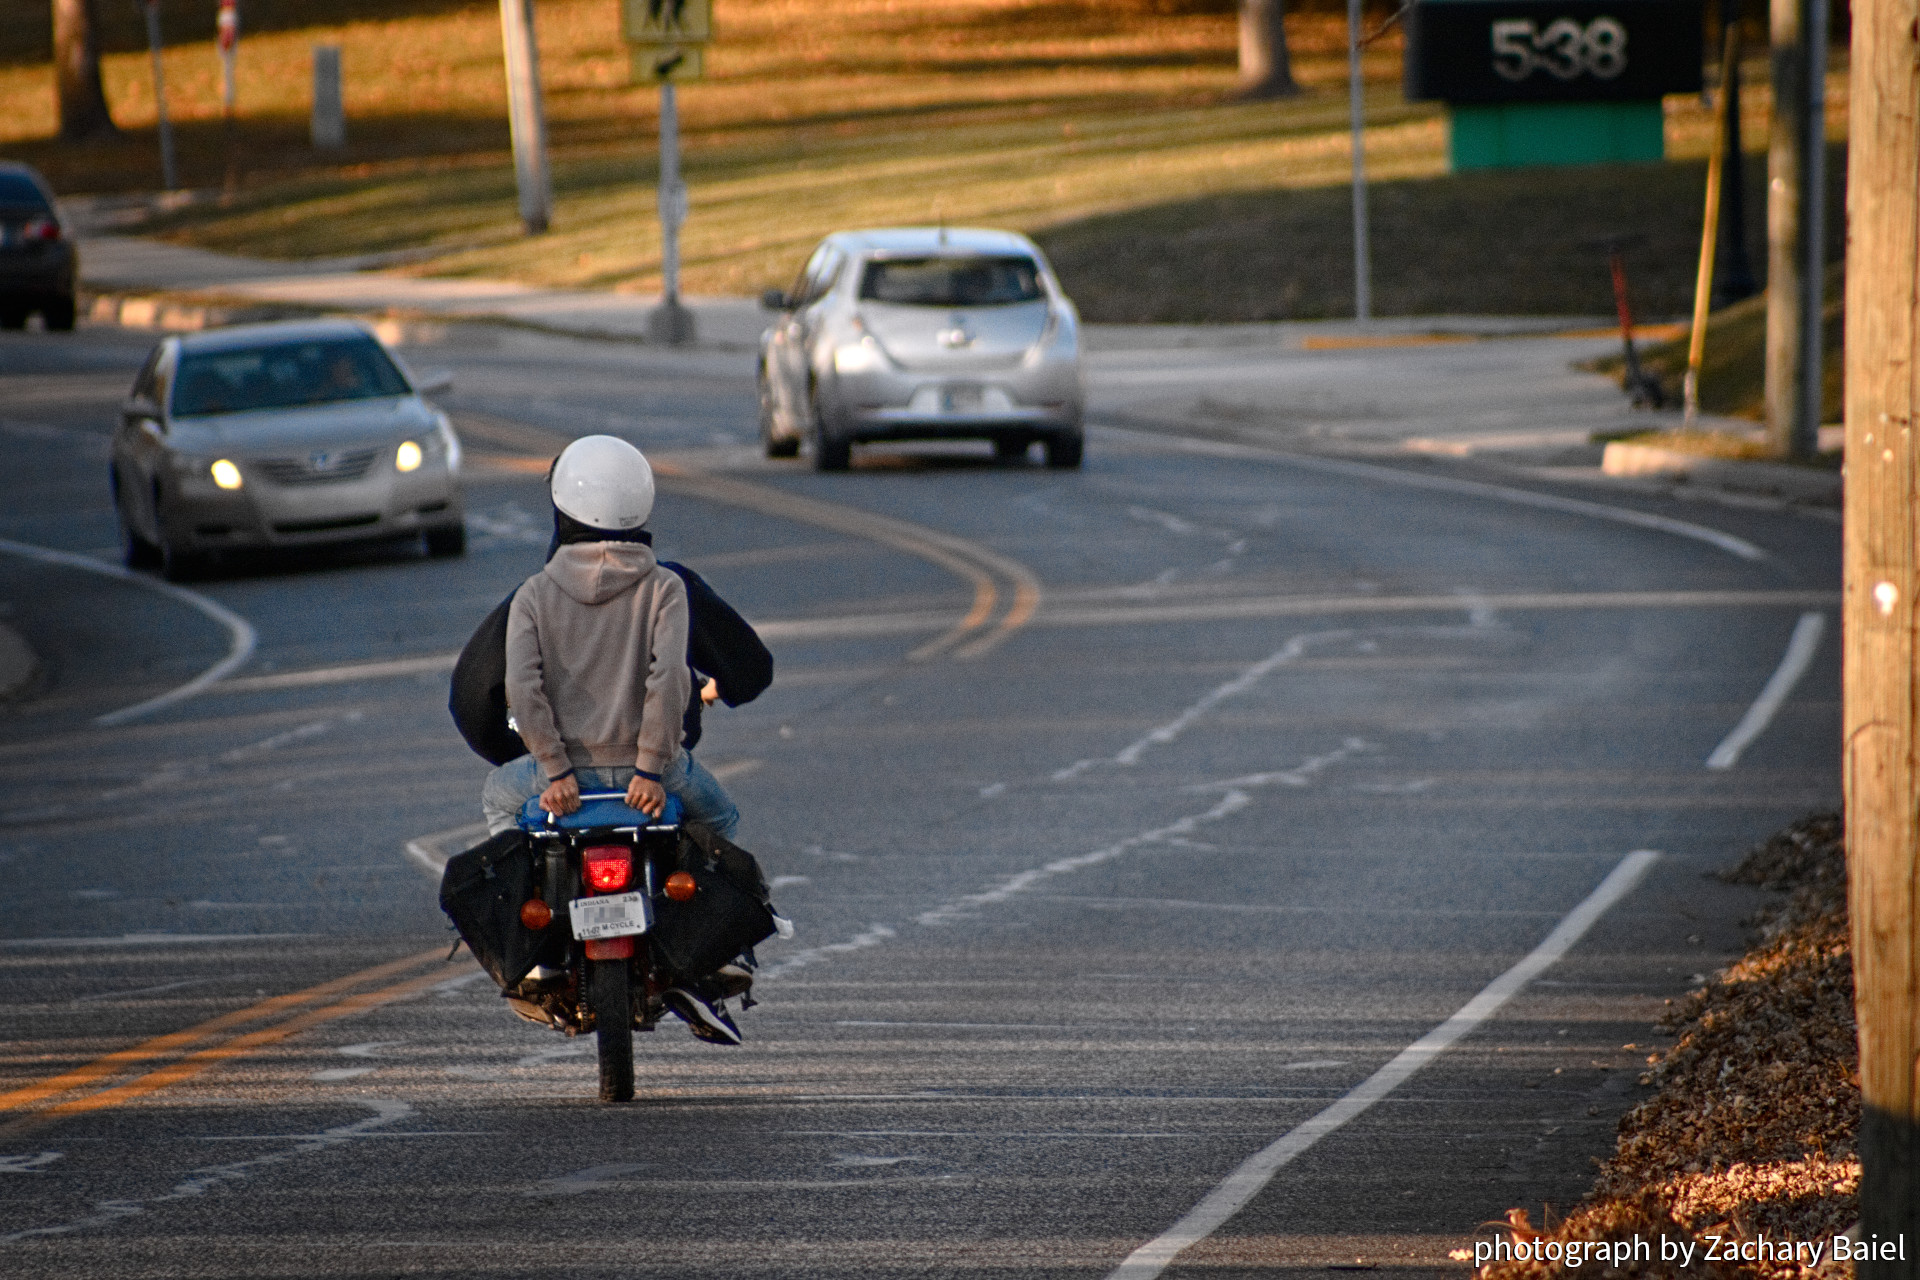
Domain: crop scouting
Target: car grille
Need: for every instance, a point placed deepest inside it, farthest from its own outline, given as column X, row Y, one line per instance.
column 319, row 468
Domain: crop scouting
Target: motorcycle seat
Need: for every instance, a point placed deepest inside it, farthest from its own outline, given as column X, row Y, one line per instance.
column 597, row 810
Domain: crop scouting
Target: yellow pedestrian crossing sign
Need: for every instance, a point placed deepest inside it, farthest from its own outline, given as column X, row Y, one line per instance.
column 668, row 22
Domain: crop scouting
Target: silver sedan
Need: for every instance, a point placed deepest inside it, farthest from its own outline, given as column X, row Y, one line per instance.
column 919, row 333
column 280, row 435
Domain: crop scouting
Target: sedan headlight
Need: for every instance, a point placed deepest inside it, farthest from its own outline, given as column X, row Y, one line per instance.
column 195, row 471
column 408, row 456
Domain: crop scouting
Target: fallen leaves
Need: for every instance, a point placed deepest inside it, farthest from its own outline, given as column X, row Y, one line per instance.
column 1751, row 1132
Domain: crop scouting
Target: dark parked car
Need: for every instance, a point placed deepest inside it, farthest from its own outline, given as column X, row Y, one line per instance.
column 38, row 263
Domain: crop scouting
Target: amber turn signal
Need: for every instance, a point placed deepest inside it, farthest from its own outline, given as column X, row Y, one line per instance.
column 535, row 914
column 680, row 886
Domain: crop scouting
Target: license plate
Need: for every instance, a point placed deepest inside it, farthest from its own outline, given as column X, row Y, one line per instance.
column 619, row 915
column 962, row 399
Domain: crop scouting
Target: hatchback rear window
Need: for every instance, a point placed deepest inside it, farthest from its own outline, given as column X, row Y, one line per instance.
column 18, row 189
column 284, row 376
column 952, row 281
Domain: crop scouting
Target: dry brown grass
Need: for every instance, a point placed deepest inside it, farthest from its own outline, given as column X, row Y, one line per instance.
column 1110, row 127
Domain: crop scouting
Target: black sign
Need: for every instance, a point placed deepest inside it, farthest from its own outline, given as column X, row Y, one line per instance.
column 1471, row 51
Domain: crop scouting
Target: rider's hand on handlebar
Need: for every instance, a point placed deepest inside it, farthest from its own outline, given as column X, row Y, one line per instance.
column 562, row 797
column 647, row 796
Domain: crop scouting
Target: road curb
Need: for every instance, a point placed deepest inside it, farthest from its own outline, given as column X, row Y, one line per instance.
column 1625, row 459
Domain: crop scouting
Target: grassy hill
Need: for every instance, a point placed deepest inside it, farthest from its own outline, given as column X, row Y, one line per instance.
column 1107, row 127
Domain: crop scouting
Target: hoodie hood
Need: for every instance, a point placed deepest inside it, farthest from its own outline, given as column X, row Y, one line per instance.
column 596, row 572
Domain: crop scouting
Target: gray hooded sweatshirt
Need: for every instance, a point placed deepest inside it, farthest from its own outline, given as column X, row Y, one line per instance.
column 597, row 660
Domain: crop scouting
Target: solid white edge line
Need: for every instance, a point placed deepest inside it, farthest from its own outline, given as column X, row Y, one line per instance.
column 1799, row 656
column 241, row 631
column 1247, row 1181
column 1500, row 493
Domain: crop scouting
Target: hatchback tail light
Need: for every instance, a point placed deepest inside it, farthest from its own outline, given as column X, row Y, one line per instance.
column 609, row 867
column 40, row 230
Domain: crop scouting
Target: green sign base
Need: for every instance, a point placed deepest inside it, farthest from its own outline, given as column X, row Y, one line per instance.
column 1513, row 135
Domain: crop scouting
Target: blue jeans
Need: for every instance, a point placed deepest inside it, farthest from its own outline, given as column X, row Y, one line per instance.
column 702, row 797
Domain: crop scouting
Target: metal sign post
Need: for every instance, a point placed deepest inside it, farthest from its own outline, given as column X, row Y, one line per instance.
column 668, row 39
column 227, row 38
column 672, row 323
column 1356, row 108
column 168, row 177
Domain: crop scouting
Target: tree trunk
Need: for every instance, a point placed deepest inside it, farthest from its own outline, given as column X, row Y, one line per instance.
column 76, row 72
column 1265, row 71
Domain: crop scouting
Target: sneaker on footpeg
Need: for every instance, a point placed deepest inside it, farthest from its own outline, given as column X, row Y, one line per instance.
column 707, row 1019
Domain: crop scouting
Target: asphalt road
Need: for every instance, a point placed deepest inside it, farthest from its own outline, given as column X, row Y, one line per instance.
column 1255, row 771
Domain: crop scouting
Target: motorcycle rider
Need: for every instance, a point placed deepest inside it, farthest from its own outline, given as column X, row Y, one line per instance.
column 597, row 674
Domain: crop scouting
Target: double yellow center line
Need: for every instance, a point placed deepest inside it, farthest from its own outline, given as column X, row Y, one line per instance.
column 68, row 1093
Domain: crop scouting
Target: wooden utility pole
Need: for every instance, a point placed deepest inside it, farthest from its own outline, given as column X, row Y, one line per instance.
column 1794, row 168
column 1265, row 69
column 1879, row 615
column 526, row 115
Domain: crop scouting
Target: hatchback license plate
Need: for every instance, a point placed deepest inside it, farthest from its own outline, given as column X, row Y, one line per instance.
column 619, row 915
column 961, row 399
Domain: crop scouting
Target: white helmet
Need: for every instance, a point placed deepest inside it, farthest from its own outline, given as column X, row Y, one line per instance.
column 604, row 483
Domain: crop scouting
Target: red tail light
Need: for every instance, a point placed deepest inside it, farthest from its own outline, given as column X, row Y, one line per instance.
column 608, row 866
column 40, row 229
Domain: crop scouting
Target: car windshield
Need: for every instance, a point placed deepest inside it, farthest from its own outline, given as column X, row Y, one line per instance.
column 284, row 376
column 952, row 281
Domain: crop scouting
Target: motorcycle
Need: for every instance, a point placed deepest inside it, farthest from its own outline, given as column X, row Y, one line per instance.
column 587, row 920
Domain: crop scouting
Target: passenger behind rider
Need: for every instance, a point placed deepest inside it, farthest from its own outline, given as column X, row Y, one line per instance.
column 597, row 676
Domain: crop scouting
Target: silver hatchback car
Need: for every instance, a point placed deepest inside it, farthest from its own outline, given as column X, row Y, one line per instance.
column 280, row 435
column 922, row 333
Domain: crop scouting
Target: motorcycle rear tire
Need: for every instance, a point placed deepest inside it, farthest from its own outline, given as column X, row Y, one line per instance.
column 608, row 988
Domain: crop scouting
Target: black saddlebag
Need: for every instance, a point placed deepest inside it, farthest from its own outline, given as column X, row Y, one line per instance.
column 481, row 892
column 729, row 911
